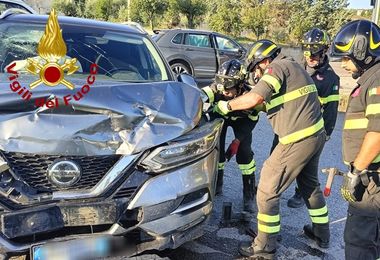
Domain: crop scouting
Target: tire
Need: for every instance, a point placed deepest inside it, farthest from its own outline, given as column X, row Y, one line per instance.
column 180, row 68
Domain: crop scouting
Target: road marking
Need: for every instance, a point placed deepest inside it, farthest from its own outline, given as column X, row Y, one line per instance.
column 339, row 220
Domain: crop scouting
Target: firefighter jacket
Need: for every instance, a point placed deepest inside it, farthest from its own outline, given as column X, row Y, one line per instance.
column 214, row 95
column 291, row 98
column 327, row 83
column 362, row 115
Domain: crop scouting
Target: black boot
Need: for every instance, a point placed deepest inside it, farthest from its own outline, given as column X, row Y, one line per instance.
column 219, row 183
column 296, row 201
column 320, row 233
column 249, row 191
column 249, row 249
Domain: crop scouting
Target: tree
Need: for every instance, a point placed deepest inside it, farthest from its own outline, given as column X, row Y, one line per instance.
column 135, row 12
column 99, row 9
column 277, row 29
column 172, row 17
column 300, row 20
column 192, row 9
column 69, row 7
column 226, row 17
column 328, row 15
column 256, row 16
column 149, row 10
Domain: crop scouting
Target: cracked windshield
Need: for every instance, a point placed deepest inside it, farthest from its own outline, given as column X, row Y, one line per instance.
column 119, row 56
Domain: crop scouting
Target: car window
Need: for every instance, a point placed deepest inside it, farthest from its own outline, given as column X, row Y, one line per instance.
column 5, row 6
column 120, row 56
column 197, row 40
column 226, row 44
column 178, row 38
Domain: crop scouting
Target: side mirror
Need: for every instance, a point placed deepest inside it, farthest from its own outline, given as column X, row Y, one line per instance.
column 187, row 79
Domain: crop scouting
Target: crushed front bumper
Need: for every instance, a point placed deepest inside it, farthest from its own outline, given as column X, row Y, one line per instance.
column 165, row 211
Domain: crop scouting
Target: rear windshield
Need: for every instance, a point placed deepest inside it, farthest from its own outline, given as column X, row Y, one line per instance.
column 119, row 56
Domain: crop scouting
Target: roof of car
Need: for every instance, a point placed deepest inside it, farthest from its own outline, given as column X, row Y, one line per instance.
column 41, row 19
column 186, row 30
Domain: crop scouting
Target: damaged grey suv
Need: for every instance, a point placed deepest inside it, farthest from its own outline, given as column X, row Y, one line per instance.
column 98, row 142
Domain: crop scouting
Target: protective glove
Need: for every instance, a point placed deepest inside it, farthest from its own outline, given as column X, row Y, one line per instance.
column 222, row 108
column 232, row 149
column 352, row 188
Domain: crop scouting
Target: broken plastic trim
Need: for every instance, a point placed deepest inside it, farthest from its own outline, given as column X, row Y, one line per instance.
column 183, row 151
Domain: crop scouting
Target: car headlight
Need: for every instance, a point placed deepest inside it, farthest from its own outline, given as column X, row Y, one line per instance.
column 184, row 149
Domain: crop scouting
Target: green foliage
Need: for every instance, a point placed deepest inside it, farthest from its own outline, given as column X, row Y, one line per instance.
column 256, row 16
column 278, row 25
column 283, row 21
column 328, row 15
column 149, row 10
column 191, row 9
column 69, row 7
column 172, row 17
column 96, row 9
column 226, row 18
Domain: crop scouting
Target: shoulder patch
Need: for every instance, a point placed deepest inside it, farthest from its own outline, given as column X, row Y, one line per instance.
column 268, row 71
column 374, row 91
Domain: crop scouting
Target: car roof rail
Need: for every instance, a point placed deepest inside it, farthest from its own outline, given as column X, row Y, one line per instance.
column 11, row 11
column 157, row 31
column 137, row 26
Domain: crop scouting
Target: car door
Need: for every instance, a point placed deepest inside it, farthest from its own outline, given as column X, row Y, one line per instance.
column 199, row 50
column 228, row 49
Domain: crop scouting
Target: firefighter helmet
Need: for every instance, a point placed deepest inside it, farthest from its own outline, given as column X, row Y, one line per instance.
column 360, row 41
column 259, row 51
column 230, row 74
column 315, row 42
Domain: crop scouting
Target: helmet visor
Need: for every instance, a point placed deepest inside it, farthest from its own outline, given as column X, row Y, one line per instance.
column 226, row 82
column 312, row 49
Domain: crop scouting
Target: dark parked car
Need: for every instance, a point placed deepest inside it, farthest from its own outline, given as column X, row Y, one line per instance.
column 15, row 4
column 198, row 53
column 101, row 147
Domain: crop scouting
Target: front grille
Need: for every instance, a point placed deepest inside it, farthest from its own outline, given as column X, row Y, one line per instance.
column 32, row 168
column 125, row 192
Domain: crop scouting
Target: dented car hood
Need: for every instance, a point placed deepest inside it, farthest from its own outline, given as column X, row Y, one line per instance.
column 112, row 118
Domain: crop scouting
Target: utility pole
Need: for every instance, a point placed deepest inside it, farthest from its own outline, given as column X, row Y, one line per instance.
column 129, row 10
column 376, row 11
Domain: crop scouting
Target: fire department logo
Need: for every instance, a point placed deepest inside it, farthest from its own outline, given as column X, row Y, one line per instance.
column 51, row 64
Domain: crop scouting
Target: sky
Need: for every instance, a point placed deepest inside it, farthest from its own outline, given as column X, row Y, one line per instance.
column 360, row 4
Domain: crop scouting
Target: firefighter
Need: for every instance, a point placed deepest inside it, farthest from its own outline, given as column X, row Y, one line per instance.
column 230, row 83
column 294, row 112
column 315, row 45
column 358, row 43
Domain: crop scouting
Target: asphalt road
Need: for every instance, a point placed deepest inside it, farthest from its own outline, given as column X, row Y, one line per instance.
column 221, row 241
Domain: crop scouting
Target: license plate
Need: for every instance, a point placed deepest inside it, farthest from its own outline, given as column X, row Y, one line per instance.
column 72, row 249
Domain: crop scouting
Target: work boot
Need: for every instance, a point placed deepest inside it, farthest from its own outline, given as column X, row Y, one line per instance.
column 296, row 201
column 249, row 191
column 320, row 233
column 219, row 183
column 249, row 249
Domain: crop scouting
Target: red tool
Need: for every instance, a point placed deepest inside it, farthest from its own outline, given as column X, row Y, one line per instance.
column 331, row 172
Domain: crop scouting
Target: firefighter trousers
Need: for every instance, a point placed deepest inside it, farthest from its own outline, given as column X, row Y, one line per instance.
column 242, row 128
column 362, row 230
column 296, row 161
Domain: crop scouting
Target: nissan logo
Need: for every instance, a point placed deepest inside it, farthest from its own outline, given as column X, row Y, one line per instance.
column 64, row 173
